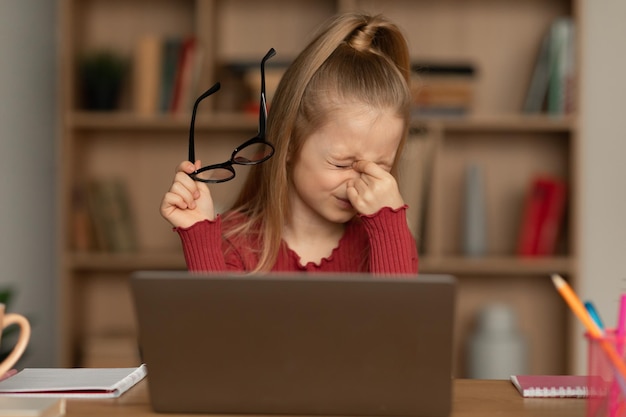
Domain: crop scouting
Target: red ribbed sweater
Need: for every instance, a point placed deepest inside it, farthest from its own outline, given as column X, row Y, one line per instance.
column 380, row 243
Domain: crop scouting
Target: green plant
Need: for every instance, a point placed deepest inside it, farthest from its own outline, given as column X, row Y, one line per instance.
column 101, row 75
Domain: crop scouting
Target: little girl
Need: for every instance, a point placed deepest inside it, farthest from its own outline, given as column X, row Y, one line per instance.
column 327, row 200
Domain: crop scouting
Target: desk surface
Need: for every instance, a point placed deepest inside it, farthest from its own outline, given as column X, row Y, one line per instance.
column 472, row 398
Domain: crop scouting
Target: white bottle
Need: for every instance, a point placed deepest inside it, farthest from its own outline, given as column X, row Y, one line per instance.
column 496, row 349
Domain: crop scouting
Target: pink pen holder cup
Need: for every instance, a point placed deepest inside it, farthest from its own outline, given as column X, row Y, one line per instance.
column 606, row 385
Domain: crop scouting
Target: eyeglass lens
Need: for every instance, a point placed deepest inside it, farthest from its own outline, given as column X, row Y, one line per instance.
column 251, row 154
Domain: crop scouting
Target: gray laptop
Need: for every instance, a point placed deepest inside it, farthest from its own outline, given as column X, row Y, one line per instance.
column 338, row 344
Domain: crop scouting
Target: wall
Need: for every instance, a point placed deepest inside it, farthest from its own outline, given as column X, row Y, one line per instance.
column 603, row 167
column 27, row 170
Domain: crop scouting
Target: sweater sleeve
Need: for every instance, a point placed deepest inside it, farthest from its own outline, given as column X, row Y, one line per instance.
column 392, row 247
column 203, row 247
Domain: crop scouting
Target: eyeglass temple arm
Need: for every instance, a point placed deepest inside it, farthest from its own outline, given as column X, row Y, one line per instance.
column 263, row 104
column 192, row 147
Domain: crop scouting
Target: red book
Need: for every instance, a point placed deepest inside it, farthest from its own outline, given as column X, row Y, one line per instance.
column 184, row 74
column 553, row 218
column 542, row 217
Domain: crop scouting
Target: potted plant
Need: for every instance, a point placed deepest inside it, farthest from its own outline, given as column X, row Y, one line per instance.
column 101, row 75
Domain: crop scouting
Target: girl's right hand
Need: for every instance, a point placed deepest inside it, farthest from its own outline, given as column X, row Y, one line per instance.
column 187, row 201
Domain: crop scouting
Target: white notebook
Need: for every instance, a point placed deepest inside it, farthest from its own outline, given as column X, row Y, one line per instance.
column 73, row 382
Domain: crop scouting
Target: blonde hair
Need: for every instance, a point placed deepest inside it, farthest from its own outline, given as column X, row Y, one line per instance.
column 354, row 58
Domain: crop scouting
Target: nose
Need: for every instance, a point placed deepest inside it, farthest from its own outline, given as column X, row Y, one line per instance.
column 351, row 174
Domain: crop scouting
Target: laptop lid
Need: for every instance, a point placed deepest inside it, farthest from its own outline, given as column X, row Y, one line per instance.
column 339, row 344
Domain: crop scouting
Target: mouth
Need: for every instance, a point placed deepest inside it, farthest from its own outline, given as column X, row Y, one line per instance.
column 345, row 203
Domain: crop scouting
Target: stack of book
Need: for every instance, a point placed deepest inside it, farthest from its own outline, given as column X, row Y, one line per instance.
column 442, row 89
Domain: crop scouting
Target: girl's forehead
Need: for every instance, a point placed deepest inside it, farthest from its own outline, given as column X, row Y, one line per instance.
column 356, row 132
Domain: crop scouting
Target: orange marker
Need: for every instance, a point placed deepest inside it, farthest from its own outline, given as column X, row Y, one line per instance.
column 579, row 309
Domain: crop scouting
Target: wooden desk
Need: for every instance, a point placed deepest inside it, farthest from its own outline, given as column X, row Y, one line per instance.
column 472, row 398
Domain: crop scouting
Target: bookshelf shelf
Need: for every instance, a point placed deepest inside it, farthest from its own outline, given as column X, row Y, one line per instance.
column 126, row 262
column 510, row 123
column 489, row 266
column 510, row 147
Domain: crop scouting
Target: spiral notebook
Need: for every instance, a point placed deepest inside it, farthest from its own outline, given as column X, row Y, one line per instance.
column 552, row 386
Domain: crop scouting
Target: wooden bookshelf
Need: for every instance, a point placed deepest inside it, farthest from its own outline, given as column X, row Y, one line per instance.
column 501, row 39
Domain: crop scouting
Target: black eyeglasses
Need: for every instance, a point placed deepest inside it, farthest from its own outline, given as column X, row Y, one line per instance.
column 251, row 152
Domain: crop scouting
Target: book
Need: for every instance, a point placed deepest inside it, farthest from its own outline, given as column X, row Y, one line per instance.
column 552, row 81
column 11, row 406
column 82, row 230
column 147, row 75
column 186, row 77
column 73, row 382
column 111, row 214
column 172, row 48
column 560, row 100
column 542, row 217
column 538, row 88
column 552, row 217
column 552, row 386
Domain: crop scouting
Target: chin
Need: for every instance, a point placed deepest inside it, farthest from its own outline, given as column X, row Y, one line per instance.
column 342, row 217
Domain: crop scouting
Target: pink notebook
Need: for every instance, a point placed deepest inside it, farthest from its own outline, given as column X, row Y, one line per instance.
column 555, row 386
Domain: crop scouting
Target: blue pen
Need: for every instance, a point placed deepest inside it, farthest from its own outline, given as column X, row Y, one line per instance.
column 594, row 314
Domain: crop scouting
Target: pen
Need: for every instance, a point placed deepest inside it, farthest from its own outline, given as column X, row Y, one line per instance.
column 620, row 328
column 579, row 310
column 620, row 332
column 594, row 314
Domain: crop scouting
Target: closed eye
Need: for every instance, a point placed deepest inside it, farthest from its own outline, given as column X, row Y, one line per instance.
column 340, row 163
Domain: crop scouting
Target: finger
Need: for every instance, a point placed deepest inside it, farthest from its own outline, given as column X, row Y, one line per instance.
column 188, row 167
column 352, row 194
column 189, row 195
column 171, row 202
column 359, row 190
column 361, row 184
column 369, row 168
column 188, row 182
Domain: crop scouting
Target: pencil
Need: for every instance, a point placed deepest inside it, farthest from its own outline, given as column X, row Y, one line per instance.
column 579, row 310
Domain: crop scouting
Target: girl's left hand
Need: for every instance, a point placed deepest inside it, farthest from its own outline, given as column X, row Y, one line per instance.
column 374, row 189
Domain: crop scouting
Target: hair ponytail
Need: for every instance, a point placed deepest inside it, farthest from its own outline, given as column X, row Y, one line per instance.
column 354, row 57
